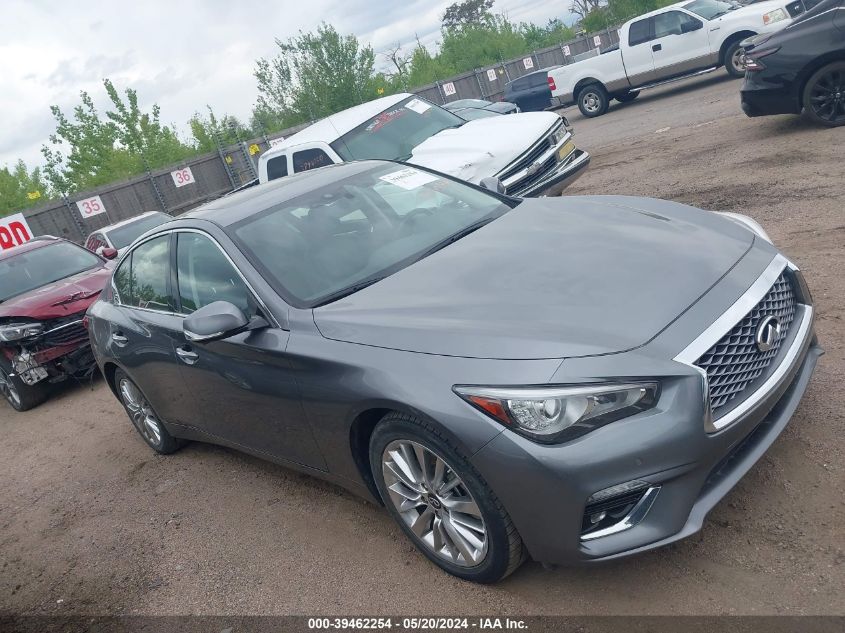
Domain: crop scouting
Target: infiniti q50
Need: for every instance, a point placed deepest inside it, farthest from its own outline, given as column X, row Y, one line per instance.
column 567, row 379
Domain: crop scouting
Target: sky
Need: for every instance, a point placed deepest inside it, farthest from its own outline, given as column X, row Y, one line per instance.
column 182, row 54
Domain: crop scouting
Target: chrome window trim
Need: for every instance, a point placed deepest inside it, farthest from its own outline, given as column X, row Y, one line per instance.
column 635, row 516
column 248, row 285
column 727, row 321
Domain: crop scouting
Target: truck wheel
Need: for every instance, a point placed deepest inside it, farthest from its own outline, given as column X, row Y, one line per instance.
column 593, row 100
column 628, row 96
column 17, row 393
column 735, row 60
column 824, row 95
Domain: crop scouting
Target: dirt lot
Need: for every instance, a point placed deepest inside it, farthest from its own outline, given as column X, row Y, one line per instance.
column 92, row 522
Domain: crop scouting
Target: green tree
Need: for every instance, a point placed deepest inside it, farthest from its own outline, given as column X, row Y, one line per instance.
column 21, row 188
column 467, row 13
column 315, row 74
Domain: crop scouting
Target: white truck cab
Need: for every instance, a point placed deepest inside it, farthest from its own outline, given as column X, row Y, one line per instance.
column 677, row 41
column 530, row 153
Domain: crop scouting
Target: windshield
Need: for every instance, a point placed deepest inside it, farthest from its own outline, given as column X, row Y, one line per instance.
column 324, row 244
column 36, row 268
column 709, row 9
column 394, row 133
column 122, row 236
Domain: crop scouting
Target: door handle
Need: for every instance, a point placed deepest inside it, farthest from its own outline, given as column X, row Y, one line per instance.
column 119, row 339
column 657, row 47
column 187, row 356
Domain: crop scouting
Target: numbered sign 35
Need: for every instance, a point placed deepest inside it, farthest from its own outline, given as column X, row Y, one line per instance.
column 14, row 231
column 182, row 177
column 91, row 206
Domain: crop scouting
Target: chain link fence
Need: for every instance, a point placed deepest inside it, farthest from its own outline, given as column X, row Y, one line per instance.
column 231, row 166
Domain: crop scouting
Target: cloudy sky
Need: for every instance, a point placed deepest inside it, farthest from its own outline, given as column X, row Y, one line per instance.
column 181, row 54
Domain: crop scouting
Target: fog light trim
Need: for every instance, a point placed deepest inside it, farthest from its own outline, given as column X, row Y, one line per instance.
column 635, row 516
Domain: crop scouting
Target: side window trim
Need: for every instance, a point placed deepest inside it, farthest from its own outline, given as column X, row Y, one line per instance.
column 649, row 31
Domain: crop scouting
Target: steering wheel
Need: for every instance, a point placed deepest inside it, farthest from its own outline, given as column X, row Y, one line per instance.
column 408, row 218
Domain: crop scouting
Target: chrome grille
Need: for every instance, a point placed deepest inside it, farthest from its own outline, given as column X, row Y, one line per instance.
column 735, row 362
column 64, row 332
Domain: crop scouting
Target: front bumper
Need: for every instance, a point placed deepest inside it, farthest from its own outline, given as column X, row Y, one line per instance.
column 561, row 177
column 545, row 488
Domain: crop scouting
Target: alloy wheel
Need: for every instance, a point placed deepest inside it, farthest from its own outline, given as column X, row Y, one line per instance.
column 434, row 503
column 738, row 61
column 141, row 413
column 591, row 101
column 8, row 389
column 827, row 97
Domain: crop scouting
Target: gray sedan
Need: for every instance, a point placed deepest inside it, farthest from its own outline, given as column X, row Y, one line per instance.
column 567, row 379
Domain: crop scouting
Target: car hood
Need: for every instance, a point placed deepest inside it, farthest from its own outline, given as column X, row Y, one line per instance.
column 754, row 12
column 60, row 298
column 554, row 278
column 482, row 147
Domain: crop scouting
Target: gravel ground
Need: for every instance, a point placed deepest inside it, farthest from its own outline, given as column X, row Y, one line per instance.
column 92, row 522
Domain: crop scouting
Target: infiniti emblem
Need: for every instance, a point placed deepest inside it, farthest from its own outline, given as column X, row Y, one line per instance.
column 767, row 333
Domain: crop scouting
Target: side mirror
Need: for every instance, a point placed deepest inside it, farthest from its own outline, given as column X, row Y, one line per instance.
column 108, row 253
column 690, row 26
column 215, row 321
column 491, row 183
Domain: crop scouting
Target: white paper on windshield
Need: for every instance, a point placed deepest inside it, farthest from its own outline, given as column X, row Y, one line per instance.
column 417, row 106
column 409, row 178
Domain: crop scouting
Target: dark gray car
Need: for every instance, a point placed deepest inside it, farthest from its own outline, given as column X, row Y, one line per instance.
column 568, row 379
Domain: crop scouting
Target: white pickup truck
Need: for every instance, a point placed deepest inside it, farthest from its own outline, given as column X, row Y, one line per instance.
column 527, row 154
column 677, row 41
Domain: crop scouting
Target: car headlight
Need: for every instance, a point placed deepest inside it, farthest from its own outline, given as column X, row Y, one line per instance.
column 19, row 331
column 774, row 16
column 560, row 413
column 559, row 134
column 749, row 223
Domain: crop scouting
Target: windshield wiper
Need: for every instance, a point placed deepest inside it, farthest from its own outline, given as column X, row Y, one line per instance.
column 471, row 228
column 350, row 290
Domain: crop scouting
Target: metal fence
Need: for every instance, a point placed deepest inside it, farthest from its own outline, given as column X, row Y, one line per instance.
column 218, row 173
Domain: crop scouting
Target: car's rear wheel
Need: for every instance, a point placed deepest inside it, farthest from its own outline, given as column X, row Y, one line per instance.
column 441, row 502
column 143, row 416
column 593, row 100
column 627, row 97
column 16, row 392
column 735, row 60
column 824, row 95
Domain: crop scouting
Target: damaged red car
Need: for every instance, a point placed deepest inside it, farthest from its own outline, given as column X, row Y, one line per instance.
column 46, row 285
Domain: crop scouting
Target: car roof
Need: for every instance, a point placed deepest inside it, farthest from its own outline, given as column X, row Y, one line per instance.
column 31, row 245
column 106, row 229
column 336, row 125
column 234, row 208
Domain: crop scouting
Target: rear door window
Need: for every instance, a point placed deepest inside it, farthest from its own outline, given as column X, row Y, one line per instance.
column 640, row 32
column 277, row 167
column 310, row 159
column 143, row 279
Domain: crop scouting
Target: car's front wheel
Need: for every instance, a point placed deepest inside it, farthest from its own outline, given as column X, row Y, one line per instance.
column 441, row 502
column 143, row 416
column 16, row 392
column 824, row 95
column 735, row 60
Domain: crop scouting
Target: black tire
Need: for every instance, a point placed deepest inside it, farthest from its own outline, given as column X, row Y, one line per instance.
column 824, row 95
column 733, row 55
column 139, row 412
column 593, row 100
column 19, row 395
column 628, row 96
column 504, row 550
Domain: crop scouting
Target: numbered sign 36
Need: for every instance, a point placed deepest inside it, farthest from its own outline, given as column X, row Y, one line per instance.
column 91, row 206
column 528, row 63
column 449, row 89
column 14, row 231
column 182, row 177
